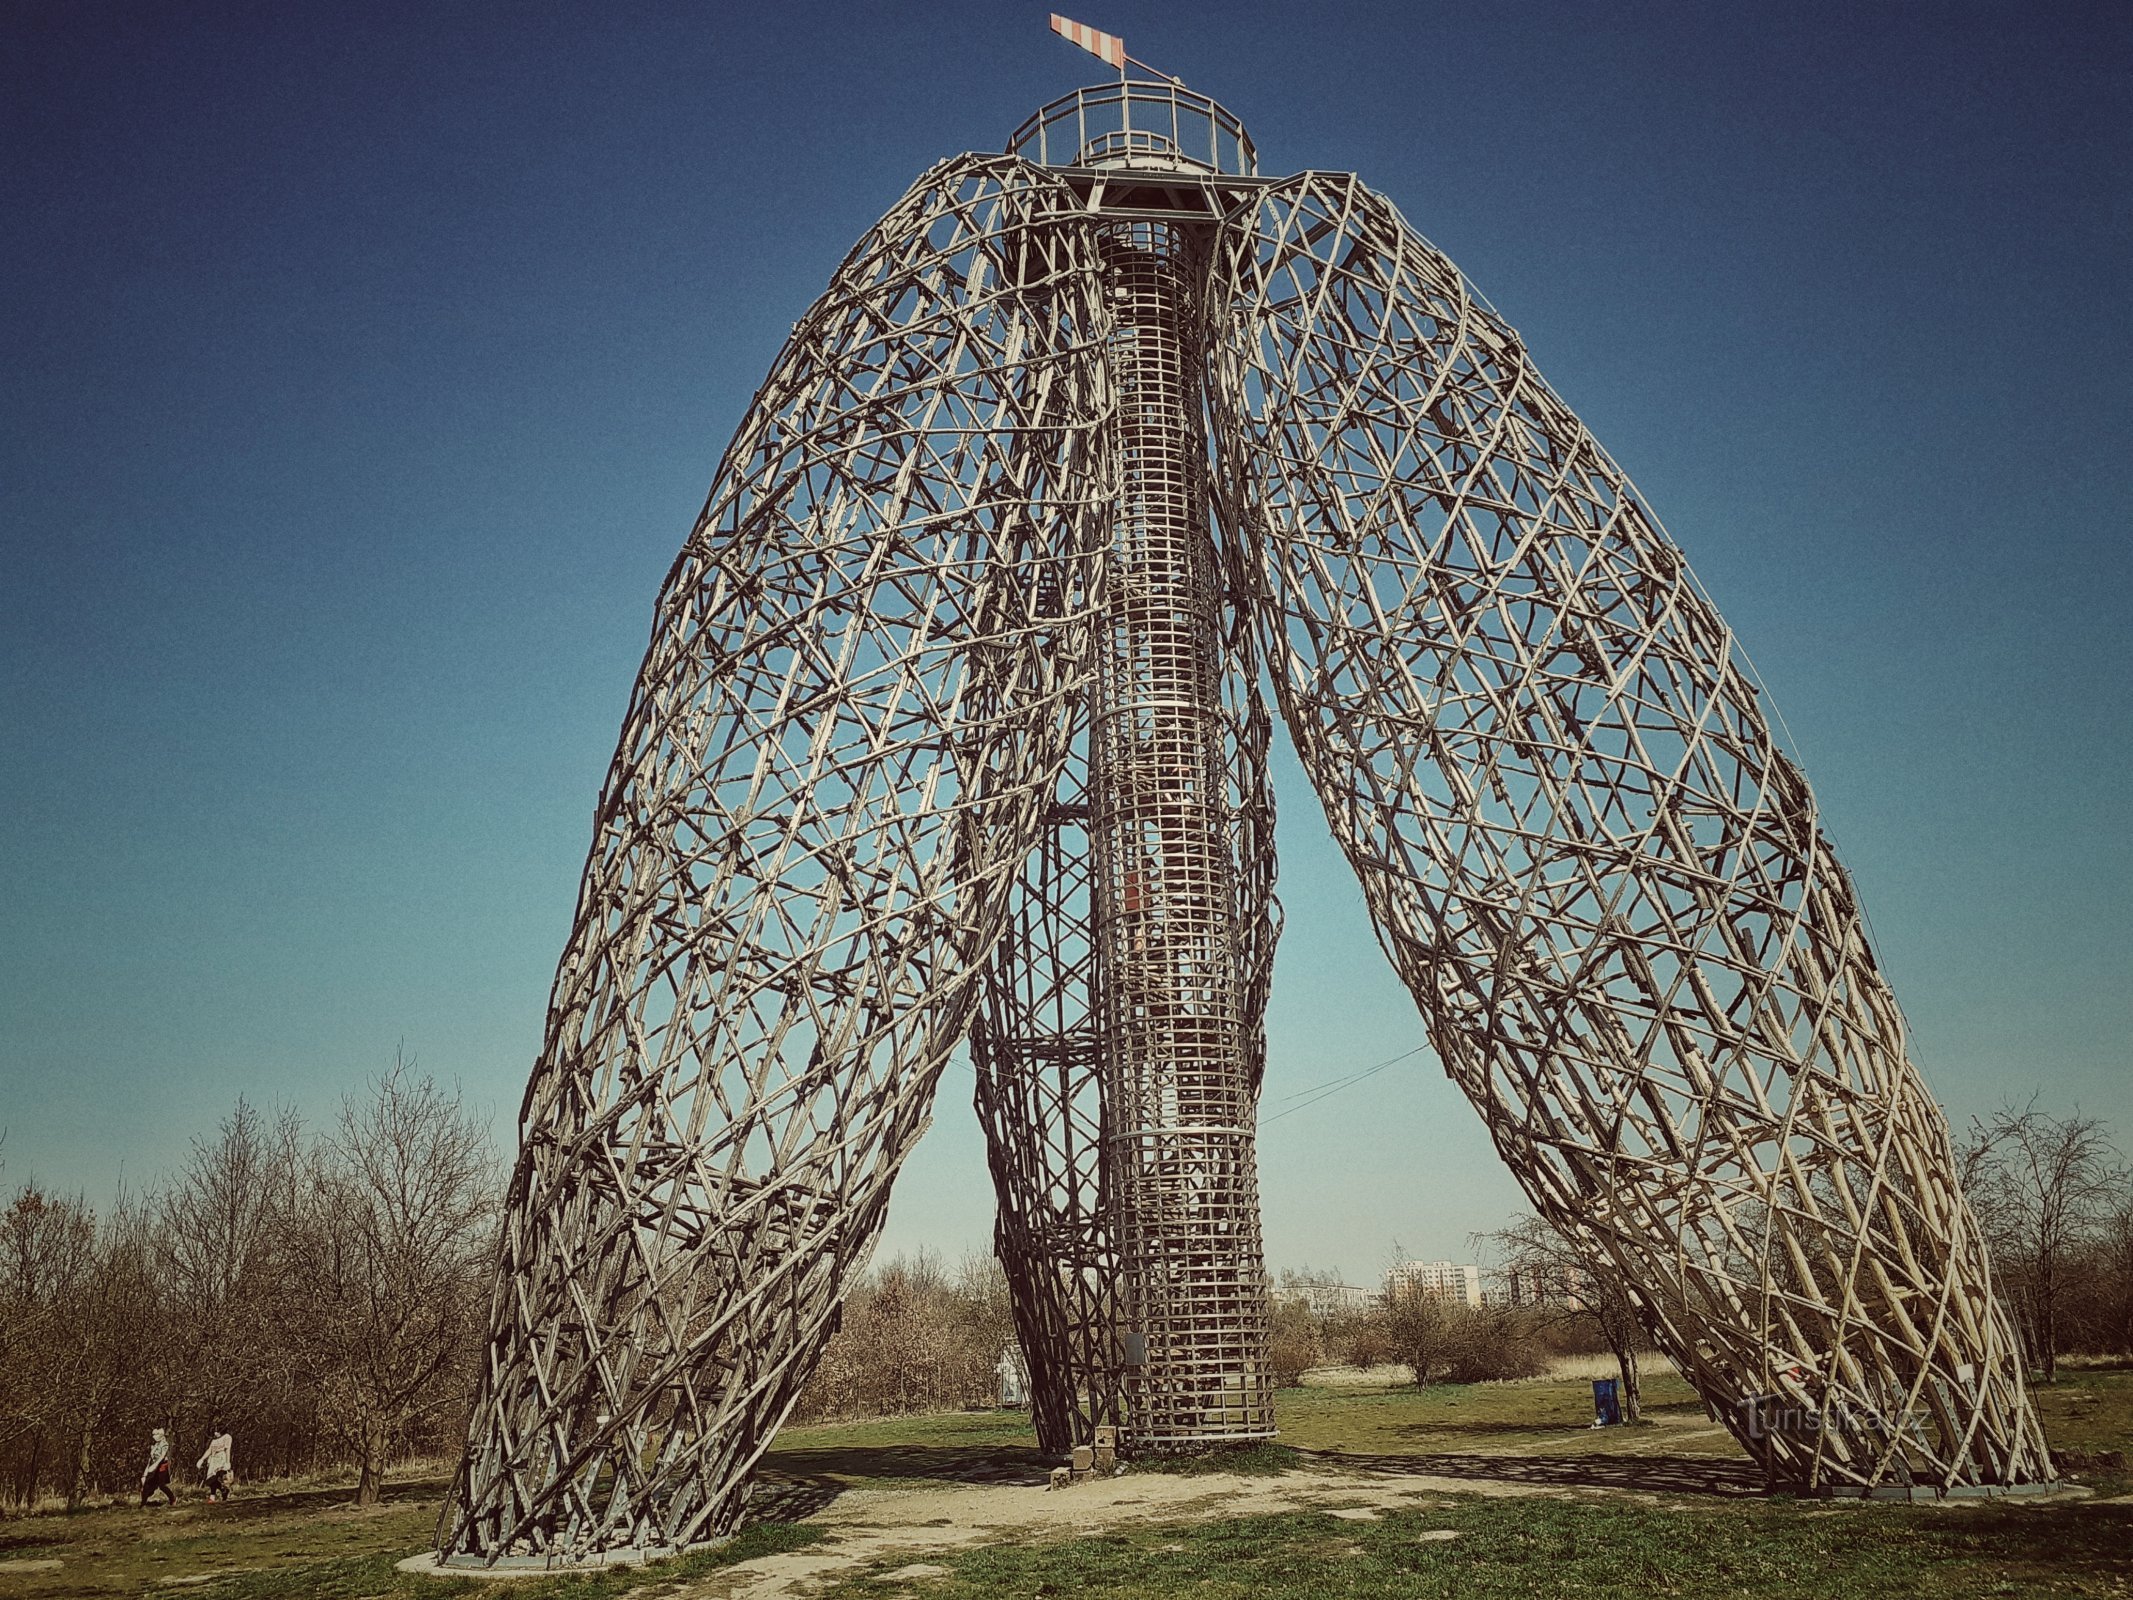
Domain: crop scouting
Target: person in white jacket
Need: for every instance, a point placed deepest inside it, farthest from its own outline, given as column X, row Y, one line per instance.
column 215, row 1462
column 155, row 1477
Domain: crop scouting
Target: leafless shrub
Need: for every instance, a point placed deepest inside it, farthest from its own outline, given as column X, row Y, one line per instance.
column 1293, row 1346
column 1440, row 1340
column 1347, row 1323
column 1573, row 1287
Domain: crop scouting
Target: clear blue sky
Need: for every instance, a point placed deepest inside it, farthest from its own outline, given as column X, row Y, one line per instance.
column 364, row 366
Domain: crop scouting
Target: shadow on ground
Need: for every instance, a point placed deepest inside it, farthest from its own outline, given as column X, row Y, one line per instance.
column 1649, row 1474
column 1487, row 1430
column 194, row 1512
column 798, row 1483
column 315, row 1501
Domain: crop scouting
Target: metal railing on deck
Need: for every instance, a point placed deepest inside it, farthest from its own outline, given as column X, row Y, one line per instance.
column 1137, row 124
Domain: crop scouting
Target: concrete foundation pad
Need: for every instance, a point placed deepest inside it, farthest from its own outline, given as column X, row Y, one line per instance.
column 424, row 1563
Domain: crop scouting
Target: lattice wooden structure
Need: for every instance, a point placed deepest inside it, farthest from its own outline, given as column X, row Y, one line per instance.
column 951, row 728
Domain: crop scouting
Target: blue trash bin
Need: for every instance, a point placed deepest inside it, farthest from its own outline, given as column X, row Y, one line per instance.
column 1607, row 1402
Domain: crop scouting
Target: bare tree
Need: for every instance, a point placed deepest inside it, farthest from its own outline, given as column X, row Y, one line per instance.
column 215, row 1236
column 47, row 1251
column 2042, row 1187
column 383, row 1263
column 985, row 1312
column 1569, row 1283
column 108, row 1328
column 2115, row 1268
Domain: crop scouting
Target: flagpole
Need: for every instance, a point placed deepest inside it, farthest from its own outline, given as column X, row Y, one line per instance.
column 1123, row 58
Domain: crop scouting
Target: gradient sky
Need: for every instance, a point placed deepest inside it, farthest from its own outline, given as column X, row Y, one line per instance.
column 362, row 368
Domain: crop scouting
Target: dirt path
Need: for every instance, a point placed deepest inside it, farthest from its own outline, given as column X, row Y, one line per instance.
column 869, row 1524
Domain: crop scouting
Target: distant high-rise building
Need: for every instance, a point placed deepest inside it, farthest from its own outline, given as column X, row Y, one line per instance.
column 1446, row 1279
column 1328, row 1299
column 1562, row 1287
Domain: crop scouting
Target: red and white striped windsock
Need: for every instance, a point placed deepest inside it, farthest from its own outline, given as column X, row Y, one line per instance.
column 1106, row 47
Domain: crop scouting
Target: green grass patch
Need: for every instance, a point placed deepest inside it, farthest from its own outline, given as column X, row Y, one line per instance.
column 245, row 1547
column 1252, row 1461
column 376, row 1576
column 303, row 1543
column 1551, row 1549
column 1400, row 1419
column 808, row 1465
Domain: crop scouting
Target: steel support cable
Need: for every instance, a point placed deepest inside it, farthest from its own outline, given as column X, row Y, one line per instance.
column 1325, row 1091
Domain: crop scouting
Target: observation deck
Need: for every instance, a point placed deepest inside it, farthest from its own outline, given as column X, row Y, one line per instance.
column 1144, row 149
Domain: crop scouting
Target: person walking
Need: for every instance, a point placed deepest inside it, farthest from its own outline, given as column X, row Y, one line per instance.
column 155, row 1477
column 215, row 1462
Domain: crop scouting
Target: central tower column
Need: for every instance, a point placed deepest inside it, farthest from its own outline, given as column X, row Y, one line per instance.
column 1175, row 1036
